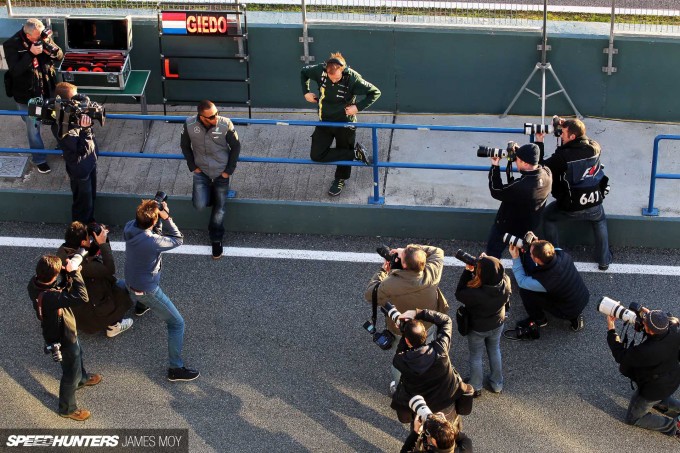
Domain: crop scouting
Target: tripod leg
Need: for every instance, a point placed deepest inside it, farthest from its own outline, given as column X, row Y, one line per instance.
column 573, row 107
column 520, row 90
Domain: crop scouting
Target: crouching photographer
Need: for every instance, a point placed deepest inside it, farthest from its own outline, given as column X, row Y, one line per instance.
column 54, row 290
column 653, row 365
column 409, row 278
column 433, row 432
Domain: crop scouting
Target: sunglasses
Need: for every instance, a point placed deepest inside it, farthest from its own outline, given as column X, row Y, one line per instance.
column 211, row 117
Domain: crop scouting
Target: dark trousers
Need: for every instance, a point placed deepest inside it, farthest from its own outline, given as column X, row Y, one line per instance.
column 84, row 193
column 536, row 304
column 495, row 244
column 73, row 375
column 345, row 139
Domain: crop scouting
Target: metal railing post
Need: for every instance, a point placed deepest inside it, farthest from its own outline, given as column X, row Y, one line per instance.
column 650, row 210
column 376, row 199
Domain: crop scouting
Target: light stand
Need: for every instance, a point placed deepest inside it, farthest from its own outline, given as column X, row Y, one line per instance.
column 543, row 66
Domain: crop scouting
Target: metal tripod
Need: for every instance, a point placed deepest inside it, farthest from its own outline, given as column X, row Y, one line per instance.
column 543, row 66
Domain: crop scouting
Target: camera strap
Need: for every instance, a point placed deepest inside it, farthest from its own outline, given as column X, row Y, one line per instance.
column 40, row 305
column 374, row 301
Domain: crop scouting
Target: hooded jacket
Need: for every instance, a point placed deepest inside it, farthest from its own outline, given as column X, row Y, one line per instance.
column 486, row 304
column 143, row 250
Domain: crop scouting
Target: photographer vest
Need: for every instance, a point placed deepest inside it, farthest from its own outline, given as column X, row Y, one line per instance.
column 564, row 284
column 582, row 185
column 209, row 146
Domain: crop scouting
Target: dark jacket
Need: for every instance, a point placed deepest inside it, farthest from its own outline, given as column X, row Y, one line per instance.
column 108, row 302
column 521, row 200
column 427, row 370
column 564, row 284
column 463, row 445
column 80, row 151
column 578, row 176
column 29, row 80
column 653, row 364
column 486, row 304
column 58, row 323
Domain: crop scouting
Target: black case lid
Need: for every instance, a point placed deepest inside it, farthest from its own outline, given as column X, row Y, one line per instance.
column 88, row 33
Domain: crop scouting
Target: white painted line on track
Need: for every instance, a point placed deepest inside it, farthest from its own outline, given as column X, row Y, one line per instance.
column 330, row 255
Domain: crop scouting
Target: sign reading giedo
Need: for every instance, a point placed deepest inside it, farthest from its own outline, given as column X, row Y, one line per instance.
column 197, row 23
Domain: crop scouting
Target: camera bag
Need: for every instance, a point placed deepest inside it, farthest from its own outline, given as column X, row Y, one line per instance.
column 463, row 320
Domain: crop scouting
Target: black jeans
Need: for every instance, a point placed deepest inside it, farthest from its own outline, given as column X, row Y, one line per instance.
column 536, row 304
column 84, row 193
column 345, row 139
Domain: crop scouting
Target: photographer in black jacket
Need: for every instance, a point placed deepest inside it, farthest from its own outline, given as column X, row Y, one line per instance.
column 54, row 290
column 655, row 368
column 522, row 200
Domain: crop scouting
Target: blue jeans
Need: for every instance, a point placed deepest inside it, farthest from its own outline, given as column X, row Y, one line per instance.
column 595, row 215
column 161, row 304
column 212, row 192
column 84, row 193
column 477, row 343
column 34, row 138
column 639, row 414
column 73, row 375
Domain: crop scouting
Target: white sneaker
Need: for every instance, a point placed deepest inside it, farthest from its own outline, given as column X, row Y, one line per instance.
column 393, row 388
column 118, row 327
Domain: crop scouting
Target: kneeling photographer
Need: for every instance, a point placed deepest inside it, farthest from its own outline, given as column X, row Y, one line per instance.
column 548, row 281
column 75, row 137
column 433, row 432
column 653, row 365
column 409, row 278
column 54, row 290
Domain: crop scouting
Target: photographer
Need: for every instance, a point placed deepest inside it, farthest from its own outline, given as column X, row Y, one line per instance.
column 485, row 289
column 426, row 369
column 415, row 285
column 80, row 154
column 54, row 290
column 653, row 366
column 579, row 187
column 548, row 281
column 109, row 300
column 521, row 200
column 144, row 244
column 436, row 434
column 31, row 55
column 212, row 161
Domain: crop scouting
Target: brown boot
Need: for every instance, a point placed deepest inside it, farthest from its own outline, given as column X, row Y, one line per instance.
column 79, row 415
column 92, row 379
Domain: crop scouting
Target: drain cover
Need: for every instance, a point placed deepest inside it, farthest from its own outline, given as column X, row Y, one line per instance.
column 12, row 166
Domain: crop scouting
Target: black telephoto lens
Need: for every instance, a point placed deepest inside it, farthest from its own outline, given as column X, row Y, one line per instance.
column 466, row 258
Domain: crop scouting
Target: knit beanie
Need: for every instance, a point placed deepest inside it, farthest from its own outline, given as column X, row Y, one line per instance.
column 656, row 321
column 529, row 153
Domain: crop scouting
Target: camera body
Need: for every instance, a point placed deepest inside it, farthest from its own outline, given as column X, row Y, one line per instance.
column 392, row 258
column 384, row 339
column 508, row 152
column 46, row 42
column 65, row 113
column 631, row 315
column 160, row 198
column 95, row 228
column 466, row 258
column 510, row 239
column 557, row 125
column 530, row 331
column 55, row 350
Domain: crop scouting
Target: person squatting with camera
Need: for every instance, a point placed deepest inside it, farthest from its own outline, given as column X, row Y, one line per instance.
column 433, row 432
column 653, row 364
column 484, row 289
column 337, row 102
column 548, row 281
column 31, row 54
column 54, row 290
column 426, row 368
column 409, row 279
column 211, row 148
column 522, row 200
column 109, row 299
column 80, row 152
column 579, row 185
column 144, row 244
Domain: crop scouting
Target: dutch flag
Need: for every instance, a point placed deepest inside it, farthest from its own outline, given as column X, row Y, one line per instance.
column 174, row 23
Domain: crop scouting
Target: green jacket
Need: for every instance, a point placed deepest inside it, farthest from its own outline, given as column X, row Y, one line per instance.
column 334, row 97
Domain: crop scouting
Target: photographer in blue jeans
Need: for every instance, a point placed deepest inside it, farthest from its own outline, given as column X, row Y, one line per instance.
column 484, row 289
column 211, row 147
column 144, row 243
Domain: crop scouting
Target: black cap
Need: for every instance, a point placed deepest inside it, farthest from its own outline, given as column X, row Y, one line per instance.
column 656, row 321
column 529, row 153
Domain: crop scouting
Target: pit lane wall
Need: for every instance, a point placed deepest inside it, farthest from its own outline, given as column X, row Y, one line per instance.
column 431, row 70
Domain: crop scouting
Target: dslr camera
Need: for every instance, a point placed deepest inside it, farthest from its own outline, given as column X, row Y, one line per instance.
column 160, row 198
column 466, row 258
column 65, row 113
column 55, row 350
column 631, row 315
column 385, row 338
column 392, row 258
column 46, row 42
column 557, row 125
column 521, row 243
column 508, row 152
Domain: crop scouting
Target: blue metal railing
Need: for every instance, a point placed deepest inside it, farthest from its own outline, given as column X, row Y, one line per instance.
column 650, row 210
column 375, row 199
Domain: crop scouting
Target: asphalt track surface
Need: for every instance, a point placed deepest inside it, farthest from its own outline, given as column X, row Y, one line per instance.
column 286, row 367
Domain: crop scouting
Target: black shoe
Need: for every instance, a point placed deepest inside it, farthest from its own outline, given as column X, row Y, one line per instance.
column 336, row 187
column 477, row 393
column 182, row 374
column 578, row 323
column 361, row 154
column 539, row 322
column 603, row 267
column 140, row 309
column 217, row 250
column 44, row 168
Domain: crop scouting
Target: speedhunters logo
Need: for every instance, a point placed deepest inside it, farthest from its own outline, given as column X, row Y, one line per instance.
column 143, row 440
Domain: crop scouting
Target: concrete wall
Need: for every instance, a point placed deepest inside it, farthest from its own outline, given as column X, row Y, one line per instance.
column 440, row 71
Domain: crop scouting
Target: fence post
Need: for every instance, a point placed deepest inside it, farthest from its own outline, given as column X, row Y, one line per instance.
column 650, row 210
column 376, row 199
